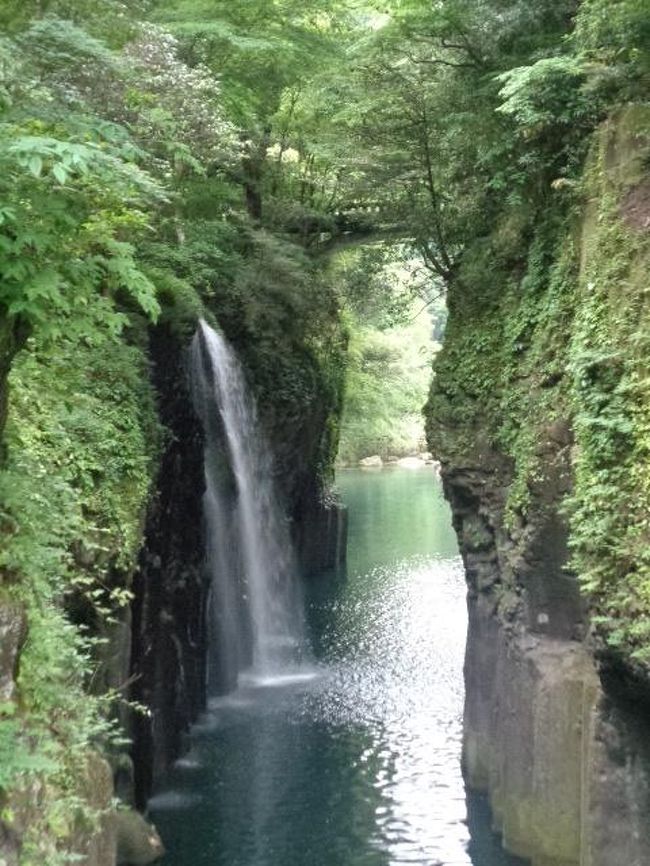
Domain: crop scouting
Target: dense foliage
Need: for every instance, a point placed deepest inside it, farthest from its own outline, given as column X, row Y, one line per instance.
column 166, row 159
column 82, row 440
column 133, row 177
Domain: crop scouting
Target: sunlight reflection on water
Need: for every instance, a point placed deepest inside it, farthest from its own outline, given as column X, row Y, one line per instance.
column 354, row 760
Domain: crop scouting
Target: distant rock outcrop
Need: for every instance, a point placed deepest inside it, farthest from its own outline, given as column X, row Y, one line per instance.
column 372, row 462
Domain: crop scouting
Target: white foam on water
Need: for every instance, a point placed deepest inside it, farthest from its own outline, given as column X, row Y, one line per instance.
column 232, row 701
column 188, row 762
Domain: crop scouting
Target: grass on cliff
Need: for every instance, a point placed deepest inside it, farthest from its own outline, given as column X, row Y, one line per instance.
column 610, row 522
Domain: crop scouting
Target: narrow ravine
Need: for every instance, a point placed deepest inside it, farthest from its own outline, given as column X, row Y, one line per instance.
column 358, row 764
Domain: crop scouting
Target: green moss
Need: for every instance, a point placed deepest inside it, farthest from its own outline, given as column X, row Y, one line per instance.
column 497, row 380
column 181, row 304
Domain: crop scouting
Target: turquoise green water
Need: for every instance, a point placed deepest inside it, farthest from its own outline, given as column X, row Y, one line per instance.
column 356, row 762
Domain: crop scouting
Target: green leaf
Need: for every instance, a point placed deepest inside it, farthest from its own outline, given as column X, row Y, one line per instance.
column 35, row 165
column 59, row 173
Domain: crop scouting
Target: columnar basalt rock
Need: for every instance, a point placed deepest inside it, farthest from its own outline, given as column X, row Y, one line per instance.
column 321, row 535
column 565, row 763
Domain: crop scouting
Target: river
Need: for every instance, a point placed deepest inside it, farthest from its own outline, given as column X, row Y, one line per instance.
column 357, row 761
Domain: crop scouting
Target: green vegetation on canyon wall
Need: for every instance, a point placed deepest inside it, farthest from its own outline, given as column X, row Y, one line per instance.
column 546, row 326
column 82, row 443
column 162, row 161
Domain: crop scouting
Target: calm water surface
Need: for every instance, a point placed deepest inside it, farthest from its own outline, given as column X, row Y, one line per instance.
column 355, row 762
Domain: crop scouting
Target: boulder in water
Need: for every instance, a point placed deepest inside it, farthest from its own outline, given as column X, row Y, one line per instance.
column 373, row 461
column 138, row 842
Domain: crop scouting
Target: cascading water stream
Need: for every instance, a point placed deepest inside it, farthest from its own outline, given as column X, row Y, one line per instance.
column 257, row 619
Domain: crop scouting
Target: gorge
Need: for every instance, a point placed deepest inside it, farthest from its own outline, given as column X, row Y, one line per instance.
column 358, row 764
column 224, row 229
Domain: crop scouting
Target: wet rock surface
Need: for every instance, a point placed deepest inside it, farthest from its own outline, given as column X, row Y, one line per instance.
column 13, row 631
column 321, row 537
column 169, row 630
column 138, row 842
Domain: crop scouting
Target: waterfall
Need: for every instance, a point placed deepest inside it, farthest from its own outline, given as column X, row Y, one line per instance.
column 256, row 609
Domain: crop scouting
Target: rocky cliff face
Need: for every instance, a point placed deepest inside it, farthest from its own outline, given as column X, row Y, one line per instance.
column 523, row 415
column 561, row 750
column 169, row 629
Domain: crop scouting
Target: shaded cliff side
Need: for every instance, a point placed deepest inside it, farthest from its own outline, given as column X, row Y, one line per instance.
column 169, row 630
column 82, row 442
column 539, row 412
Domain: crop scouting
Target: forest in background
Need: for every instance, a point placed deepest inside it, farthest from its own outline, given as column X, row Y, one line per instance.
column 395, row 318
column 161, row 161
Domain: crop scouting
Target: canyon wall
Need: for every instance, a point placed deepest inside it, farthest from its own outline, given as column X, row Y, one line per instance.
column 538, row 414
